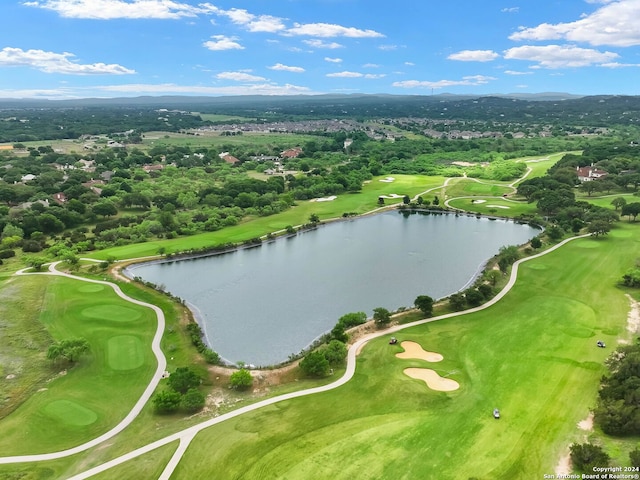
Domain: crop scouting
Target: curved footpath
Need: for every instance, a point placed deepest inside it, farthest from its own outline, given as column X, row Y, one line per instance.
column 184, row 437
column 144, row 398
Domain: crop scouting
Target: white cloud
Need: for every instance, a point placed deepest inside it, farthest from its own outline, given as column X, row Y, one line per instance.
column 388, row 48
column 51, row 62
column 345, row 75
column 315, row 43
column 325, row 30
column 222, row 42
column 370, row 65
column 240, row 77
column 169, row 88
column 111, row 9
column 348, row 74
column 560, row 56
column 471, row 80
column 513, row 72
column 410, row 64
column 619, row 65
column 254, row 23
column 510, row 10
column 474, row 56
column 332, row 60
column 286, row 68
column 615, row 23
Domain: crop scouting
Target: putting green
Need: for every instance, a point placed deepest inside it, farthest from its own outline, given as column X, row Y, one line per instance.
column 125, row 352
column 113, row 312
column 70, row 413
column 91, row 288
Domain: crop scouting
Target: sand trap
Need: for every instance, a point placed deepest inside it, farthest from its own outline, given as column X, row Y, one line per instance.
column 388, row 180
column 325, row 199
column 413, row 350
column 498, row 206
column 392, row 195
column 432, row 379
column 478, row 201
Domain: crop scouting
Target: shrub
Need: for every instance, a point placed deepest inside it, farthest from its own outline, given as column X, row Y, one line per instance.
column 183, row 379
column 335, row 352
column 315, row 364
column 193, row 401
column 381, row 316
column 241, row 379
column 166, row 402
column 7, row 253
column 586, row 456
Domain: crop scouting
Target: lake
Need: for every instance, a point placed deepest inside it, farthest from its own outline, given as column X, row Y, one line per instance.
column 261, row 304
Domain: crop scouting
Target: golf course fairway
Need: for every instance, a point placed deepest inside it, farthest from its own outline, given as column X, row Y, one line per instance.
column 533, row 355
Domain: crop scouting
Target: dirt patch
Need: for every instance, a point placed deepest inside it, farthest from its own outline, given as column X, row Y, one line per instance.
column 587, row 423
column 564, row 466
column 633, row 317
column 413, row 350
column 432, row 379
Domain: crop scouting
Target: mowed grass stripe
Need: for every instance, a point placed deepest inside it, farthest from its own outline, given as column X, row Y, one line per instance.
column 533, row 355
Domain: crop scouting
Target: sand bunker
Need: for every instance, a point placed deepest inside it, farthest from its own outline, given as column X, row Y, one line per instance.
column 387, row 180
column 432, row 379
column 325, row 199
column 392, row 195
column 478, row 201
column 497, row 206
column 413, row 350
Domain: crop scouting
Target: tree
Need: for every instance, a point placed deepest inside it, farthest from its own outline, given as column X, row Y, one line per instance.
column 335, row 352
column 586, row 456
column 380, row 200
column 193, row 401
column 183, row 379
column 36, row 262
column 241, row 379
column 167, row 401
column 381, row 316
column 338, row 333
column 69, row 350
column 106, row 209
column 631, row 210
column 353, row 319
column 474, row 297
column 314, row 218
column 406, row 200
column 618, row 202
column 425, row 304
column 457, row 301
column 599, row 227
column 536, row 243
column 436, row 201
column 315, row 364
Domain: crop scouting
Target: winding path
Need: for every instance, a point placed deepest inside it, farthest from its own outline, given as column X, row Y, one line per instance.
column 185, row 436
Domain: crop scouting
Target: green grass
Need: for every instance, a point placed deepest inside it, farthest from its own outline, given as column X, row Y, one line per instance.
column 362, row 202
column 539, row 167
column 465, row 187
column 213, row 139
column 533, row 355
column 493, row 206
column 84, row 401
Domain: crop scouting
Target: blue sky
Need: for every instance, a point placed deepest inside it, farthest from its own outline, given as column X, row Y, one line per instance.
column 121, row 48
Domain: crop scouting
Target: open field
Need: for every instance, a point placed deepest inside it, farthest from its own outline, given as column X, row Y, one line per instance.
column 362, row 202
column 84, row 401
column 212, row 139
column 532, row 355
column 464, row 187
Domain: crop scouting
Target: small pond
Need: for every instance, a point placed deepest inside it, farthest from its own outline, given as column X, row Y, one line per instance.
column 261, row 304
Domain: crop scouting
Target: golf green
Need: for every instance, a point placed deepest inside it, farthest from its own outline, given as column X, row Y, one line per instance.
column 125, row 352
column 70, row 413
column 91, row 288
column 112, row 312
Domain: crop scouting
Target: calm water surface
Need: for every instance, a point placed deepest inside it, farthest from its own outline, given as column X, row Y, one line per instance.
column 262, row 304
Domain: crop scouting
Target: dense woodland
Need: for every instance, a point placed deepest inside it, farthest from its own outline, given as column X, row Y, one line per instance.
column 107, row 195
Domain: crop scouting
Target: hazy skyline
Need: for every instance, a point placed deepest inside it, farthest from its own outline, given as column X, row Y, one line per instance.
column 120, row 48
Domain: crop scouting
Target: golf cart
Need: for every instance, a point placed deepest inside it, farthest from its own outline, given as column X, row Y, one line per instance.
column 600, row 343
column 496, row 413
column 393, row 341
